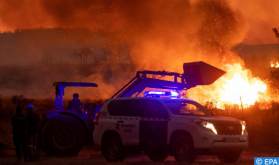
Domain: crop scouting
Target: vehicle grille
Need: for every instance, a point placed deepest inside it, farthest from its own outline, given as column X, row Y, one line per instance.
column 228, row 128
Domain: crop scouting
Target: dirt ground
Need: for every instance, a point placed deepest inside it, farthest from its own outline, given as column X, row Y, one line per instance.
column 89, row 156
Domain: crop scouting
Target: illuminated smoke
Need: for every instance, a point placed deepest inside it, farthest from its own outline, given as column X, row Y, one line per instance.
column 162, row 34
column 261, row 16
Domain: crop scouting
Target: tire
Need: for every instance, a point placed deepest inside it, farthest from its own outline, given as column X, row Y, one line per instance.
column 183, row 149
column 113, row 149
column 63, row 136
column 229, row 157
column 157, row 154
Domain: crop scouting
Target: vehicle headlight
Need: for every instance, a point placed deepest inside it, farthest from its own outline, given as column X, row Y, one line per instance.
column 207, row 125
column 243, row 125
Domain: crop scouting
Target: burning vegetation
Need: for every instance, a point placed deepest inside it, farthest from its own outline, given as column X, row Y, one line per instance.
column 239, row 88
column 236, row 87
column 274, row 64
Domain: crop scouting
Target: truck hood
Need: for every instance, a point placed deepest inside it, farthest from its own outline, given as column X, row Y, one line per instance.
column 218, row 119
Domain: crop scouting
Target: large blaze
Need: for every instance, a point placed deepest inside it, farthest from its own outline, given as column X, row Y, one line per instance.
column 239, row 88
column 236, row 87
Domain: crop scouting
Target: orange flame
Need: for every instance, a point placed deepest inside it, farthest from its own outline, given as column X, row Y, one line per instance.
column 274, row 65
column 236, row 87
column 239, row 88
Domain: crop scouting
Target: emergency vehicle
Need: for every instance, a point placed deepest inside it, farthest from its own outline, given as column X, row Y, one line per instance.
column 161, row 123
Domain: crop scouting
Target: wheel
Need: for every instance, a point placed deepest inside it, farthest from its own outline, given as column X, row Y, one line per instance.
column 229, row 157
column 183, row 149
column 157, row 154
column 63, row 135
column 113, row 149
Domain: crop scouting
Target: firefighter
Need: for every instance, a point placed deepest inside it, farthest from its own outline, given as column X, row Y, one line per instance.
column 32, row 131
column 75, row 103
column 19, row 122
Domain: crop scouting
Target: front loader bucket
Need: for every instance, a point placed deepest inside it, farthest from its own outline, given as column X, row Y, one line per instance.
column 200, row 73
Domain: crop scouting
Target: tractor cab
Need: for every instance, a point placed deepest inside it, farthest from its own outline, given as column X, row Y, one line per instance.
column 59, row 90
column 86, row 113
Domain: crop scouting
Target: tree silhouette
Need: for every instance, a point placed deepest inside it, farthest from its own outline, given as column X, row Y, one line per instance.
column 83, row 54
column 275, row 30
column 87, row 52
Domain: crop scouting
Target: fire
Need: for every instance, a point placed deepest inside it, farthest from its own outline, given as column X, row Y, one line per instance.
column 274, row 65
column 239, row 88
column 236, row 87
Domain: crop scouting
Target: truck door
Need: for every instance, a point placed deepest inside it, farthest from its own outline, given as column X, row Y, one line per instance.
column 125, row 116
column 153, row 125
column 129, row 123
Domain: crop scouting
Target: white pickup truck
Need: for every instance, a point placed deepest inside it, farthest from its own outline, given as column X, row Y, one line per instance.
column 158, row 126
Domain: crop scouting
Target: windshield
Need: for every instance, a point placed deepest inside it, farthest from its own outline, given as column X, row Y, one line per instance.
column 186, row 107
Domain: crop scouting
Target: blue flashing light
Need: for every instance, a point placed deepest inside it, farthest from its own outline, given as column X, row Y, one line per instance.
column 156, row 92
column 171, row 94
column 174, row 94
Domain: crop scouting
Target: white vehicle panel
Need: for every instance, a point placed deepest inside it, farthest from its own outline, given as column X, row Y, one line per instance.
column 137, row 131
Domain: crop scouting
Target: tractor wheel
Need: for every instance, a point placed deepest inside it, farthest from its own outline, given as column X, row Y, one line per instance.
column 113, row 149
column 229, row 157
column 183, row 149
column 63, row 136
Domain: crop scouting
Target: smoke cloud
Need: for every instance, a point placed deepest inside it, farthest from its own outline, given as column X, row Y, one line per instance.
column 161, row 34
column 260, row 15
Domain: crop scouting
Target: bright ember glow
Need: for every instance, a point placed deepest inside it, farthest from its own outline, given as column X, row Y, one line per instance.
column 239, row 88
column 274, row 64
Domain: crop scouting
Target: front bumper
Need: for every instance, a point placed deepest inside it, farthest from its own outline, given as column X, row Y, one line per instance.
column 224, row 145
column 211, row 141
column 217, row 144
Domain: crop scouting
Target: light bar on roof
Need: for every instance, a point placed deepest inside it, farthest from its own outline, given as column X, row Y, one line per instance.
column 164, row 94
column 174, row 94
column 156, row 92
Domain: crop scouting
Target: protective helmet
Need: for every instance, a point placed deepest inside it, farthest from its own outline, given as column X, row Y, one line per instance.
column 30, row 106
